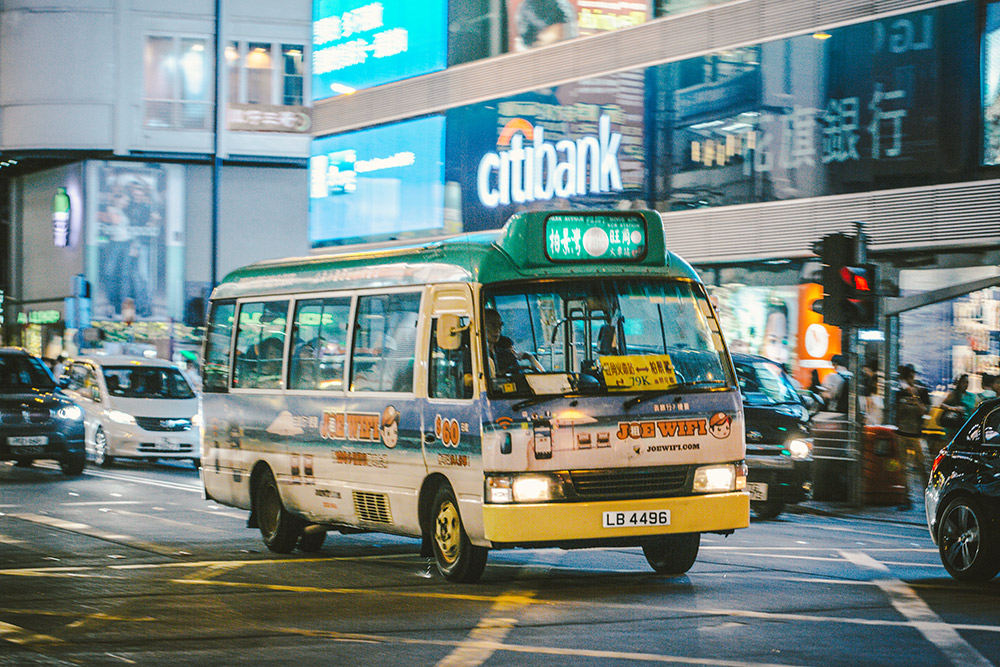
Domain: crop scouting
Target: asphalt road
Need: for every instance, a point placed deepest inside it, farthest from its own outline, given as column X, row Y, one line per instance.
column 132, row 566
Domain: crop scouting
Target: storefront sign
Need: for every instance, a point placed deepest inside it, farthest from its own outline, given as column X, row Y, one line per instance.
column 543, row 170
column 268, row 118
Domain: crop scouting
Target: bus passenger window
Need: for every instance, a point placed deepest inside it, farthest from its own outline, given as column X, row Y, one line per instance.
column 450, row 370
column 260, row 345
column 385, row 342
column 218, row 341
column 319, row 343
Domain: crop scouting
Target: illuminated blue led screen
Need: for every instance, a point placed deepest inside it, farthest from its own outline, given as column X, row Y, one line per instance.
column 359, row 44
column 377, row 183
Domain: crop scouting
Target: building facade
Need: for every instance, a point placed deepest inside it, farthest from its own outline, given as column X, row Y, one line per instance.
column 128, row 159
column 755, row 127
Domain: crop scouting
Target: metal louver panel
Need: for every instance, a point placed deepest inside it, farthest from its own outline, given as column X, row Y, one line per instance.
column 959, row 215
column 372, row 507
column 724, row 25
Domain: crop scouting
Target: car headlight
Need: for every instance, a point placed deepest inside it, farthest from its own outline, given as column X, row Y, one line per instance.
column 120, row 417
column 196, row 419
column 530, row 488
column 799, row 449
column 70, row 412
column 715, row 479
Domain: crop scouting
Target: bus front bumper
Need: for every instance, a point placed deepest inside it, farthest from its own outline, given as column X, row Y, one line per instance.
column 584, row 523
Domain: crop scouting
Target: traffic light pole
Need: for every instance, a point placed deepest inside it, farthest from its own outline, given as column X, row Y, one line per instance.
column 855, row 427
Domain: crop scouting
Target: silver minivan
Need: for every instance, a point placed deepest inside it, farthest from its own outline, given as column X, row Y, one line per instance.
column 135, row 408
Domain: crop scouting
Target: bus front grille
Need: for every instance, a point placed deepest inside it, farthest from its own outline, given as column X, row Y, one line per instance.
column 624, row 483
column 372, row 507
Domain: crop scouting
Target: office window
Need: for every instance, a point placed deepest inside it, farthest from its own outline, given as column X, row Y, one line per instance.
column 177, row 83
column 265, row 73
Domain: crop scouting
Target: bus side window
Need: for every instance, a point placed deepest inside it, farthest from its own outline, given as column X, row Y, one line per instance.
column 385, row 342
column 260, row 344
column 319, row 342
column 450, row 370
column 218, row 340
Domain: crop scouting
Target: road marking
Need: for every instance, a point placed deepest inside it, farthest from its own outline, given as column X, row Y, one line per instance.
column 102, row 503
column 90, row 531
column 529, row 649
column 915, row 610
column 170, row 522
column 4, row 539
column 18, row 635
column 489, row 633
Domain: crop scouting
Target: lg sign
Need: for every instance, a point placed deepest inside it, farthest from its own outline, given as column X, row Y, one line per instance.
column 543, row 170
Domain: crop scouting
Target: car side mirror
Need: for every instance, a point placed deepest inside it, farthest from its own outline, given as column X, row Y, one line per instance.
column 449, row 332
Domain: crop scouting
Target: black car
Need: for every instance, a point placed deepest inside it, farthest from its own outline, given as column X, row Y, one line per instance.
column 962, row 499
column 779, row 445
column 36, row 420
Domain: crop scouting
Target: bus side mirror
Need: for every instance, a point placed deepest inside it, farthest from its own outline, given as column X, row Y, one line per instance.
column 449, row 332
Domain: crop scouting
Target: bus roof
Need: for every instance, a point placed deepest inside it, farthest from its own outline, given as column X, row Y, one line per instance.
column 546, row 244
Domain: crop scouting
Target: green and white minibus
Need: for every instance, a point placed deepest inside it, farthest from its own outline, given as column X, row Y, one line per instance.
column 562, row 382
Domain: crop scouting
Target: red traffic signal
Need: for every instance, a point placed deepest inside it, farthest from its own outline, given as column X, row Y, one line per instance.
column 860, row 304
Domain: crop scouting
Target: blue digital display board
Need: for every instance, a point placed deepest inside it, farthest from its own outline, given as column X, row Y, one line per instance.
column 359, row 44
column 378, row 183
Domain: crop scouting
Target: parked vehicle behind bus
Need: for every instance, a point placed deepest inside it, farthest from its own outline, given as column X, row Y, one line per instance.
column 561, row 382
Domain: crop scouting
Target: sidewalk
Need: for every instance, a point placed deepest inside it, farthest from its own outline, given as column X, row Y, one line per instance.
column 888, row 514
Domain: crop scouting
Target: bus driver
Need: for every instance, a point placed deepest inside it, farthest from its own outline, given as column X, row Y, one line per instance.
column 503, row 357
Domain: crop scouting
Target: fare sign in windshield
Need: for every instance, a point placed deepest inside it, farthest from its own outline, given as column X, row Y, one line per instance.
column 595, row 238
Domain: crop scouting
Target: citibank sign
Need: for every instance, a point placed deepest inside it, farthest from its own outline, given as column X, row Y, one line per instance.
column 542, row 170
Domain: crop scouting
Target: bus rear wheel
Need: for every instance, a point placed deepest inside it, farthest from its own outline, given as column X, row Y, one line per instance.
column 672, row 554
column 278, row 527
column 456, row 557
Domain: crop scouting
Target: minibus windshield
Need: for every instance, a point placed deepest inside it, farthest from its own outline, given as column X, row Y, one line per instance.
column 601, row 336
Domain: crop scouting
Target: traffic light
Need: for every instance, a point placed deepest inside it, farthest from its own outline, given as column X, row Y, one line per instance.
column 848, row 287
column 859, row 294
column 836, row 251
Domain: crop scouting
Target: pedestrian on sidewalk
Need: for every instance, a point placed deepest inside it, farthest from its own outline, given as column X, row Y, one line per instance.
column 835, row 385
column 910, row 411
column 956, row 407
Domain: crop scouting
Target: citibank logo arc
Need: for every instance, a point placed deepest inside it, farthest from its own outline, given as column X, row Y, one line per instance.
column 542, row 170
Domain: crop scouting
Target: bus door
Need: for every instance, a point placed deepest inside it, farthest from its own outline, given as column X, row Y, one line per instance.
column 452, row 431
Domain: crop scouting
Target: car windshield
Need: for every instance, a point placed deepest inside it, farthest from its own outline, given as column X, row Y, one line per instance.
column 146, row 382
column 764, row 382
column 602, row 336
column 20, row 373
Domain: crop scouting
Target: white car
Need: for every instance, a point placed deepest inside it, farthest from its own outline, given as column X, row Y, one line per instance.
column 135, row 408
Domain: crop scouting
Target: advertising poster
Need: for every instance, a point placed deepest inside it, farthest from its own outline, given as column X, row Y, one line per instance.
column 759, row 320
column 377, row 184
column 817, row 342
column 534, row 23
column 359, row 44
column 135, row 240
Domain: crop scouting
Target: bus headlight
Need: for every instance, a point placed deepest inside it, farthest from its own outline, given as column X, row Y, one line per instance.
column 529, row 488
column 715, row 479
column 799, row 450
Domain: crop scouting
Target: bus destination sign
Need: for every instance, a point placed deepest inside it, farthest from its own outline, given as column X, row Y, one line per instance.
column 595, row 238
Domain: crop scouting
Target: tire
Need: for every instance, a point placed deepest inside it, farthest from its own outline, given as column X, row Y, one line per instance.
column 310, row 543
column 101, row 456
column 968, row 542
column 457, row 558
column 672, row 554
column 72, row 464
column 767, row 509
column 278, row 527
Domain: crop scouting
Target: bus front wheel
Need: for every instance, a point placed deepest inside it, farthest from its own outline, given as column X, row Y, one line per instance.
column 279, row 528
column 672, row 554
column 457, row 558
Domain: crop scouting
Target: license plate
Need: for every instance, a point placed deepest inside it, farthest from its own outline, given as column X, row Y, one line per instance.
column 757, row 490
column 632, row 519
column 33, row 441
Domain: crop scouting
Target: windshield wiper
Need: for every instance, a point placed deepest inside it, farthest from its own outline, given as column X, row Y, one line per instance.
column 642, row 398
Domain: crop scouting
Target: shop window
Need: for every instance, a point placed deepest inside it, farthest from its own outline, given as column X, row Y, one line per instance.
column 319, row 343
column 177, row 83
column 385, row 337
